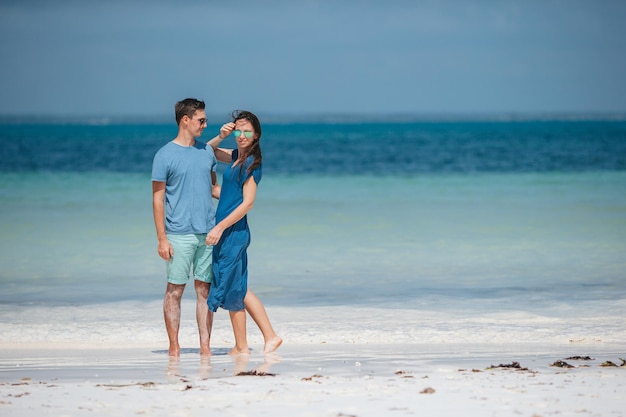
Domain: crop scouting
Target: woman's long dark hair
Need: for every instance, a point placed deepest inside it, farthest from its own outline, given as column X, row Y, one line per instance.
column 255, row 149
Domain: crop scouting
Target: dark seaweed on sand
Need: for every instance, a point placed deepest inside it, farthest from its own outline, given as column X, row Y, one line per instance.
column 562, row 364
column 609, row 363
column 512, row 365
column 254, row 373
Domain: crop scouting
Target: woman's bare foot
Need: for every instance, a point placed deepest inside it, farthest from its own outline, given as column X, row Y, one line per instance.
column 272, row 344
column 236, row 351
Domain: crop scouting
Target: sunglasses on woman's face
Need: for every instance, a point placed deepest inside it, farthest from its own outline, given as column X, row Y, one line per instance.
column 247, row 133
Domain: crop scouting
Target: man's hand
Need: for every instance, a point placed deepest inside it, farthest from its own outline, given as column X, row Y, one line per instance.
column 165, row 249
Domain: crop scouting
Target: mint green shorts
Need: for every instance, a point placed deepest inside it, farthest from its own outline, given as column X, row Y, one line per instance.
column 190, row 251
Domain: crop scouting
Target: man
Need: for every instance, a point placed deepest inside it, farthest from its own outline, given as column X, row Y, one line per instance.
column 183, row 183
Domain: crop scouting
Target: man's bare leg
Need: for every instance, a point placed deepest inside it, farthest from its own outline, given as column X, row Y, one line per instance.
column 204, row 317
column 255, row 308
column 238, row 320
column 171, row 313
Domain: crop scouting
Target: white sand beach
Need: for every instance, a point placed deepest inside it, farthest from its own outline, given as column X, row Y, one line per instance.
column 515, row 379
column 336, row 361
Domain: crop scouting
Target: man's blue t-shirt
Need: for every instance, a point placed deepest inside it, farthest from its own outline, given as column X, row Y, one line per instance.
column 186, row 172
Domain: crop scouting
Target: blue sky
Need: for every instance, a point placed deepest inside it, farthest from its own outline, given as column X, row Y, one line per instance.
column 72, row 57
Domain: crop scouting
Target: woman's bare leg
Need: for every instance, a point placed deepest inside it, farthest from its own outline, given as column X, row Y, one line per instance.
column 238, row 320
column 255, row 308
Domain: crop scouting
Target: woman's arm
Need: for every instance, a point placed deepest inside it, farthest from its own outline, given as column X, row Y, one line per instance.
column 249, row 194
column 216, row 190
column 222, row 154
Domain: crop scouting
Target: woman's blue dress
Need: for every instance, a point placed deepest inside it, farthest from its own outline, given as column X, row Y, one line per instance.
column 230, row 259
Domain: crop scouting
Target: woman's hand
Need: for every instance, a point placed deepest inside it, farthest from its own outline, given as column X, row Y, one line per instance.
column 226, row 129
column 214, row 235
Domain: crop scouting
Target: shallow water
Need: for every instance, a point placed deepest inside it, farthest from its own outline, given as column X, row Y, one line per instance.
column 460, row 225
column 88, row 238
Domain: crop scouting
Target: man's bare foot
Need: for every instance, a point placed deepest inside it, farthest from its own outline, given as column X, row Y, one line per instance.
column 272, row 344
column 235, row 351
column 173, row 370
column 174, row 350
column 205, row 352
column 204, row 370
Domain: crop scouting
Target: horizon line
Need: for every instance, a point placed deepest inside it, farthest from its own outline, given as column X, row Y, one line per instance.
column 327, row 117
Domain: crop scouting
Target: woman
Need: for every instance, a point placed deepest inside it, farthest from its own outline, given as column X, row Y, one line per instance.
column 231, row 235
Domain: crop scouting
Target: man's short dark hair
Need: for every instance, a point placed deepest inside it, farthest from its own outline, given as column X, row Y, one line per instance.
column 187, row 107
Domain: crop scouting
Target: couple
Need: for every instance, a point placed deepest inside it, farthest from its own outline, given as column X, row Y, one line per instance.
column 191, row 233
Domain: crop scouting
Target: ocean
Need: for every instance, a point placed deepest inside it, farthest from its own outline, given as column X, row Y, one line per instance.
column 364, row 230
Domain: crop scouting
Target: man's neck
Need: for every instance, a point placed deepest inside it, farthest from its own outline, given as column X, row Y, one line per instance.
column 184, row 139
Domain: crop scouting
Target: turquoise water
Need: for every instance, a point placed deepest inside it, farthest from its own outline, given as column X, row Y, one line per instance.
column 362, row 232
column 347, row 212
column 89, row 238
